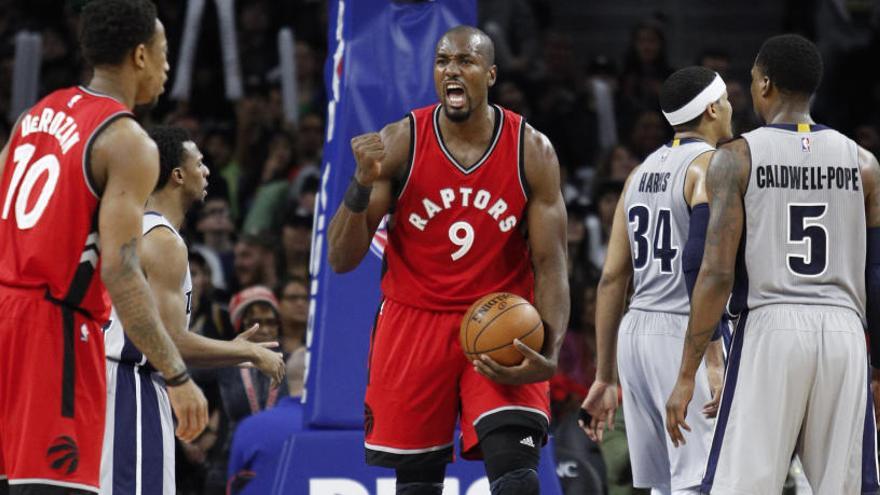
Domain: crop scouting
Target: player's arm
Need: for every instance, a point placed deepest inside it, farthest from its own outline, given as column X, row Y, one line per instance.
column 870, row 172
column 697, row 198
column 126, row 164
column 725, row 182
column 380, row 157
column 547, row 225
column 601, row 401
column 164, row 260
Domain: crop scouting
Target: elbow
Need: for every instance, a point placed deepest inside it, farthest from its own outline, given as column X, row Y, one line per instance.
column 338, row 262
column 717, row 278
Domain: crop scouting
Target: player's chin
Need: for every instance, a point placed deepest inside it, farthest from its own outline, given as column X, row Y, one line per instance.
column 457, row 114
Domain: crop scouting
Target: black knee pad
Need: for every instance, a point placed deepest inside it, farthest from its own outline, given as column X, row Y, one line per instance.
column 519, row 482
column 509, row 449
column 421, row 481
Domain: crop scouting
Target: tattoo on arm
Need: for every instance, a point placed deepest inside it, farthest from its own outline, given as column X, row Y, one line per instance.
column 133, row 301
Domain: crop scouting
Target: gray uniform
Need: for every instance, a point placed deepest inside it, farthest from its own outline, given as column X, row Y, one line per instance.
column 797, row 370
column 652, row 332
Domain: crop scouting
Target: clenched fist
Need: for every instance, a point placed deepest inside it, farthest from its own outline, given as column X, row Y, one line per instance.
column 369, row 151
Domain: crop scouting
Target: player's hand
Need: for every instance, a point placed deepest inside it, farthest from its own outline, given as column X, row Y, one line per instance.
column 875, row 392
column 190, row 409
column 601, row 403
column 271, row 363
column 715, row 374
column 369, row 151
column 676, row 410
column 534, row 368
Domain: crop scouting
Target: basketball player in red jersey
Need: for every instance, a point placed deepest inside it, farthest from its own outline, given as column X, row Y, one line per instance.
column 464, row 180
column 75, row 150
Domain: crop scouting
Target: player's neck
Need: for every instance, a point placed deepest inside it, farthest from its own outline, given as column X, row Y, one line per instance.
column 168, row 205
column 481, row 121
column 706, row 136
column 790, row 112
column 112, row 83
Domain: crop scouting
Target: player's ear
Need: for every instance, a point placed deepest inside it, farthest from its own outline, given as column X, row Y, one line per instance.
column 139, row 56
column 177, row 173
column 493, row 74
column 765, row 85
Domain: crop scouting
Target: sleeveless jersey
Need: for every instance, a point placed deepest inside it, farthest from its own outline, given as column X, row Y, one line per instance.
column 805, row 229
column 48, row 203
column 118, row 346
column 457, row 233
column 659, row 218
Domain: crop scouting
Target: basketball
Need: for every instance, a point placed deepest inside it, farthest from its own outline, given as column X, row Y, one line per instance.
column 494, row 321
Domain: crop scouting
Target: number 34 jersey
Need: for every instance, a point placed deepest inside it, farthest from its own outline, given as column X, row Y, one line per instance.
column 805, row 228
column 48, row 204
column 658, row 219
column 457, row 232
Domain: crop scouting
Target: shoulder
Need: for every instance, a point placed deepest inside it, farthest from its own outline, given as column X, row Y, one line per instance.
column 539, row 158
column 869, row 168
column 731, row 163
column 163, row 253
column 700, row 164
column 124, row 134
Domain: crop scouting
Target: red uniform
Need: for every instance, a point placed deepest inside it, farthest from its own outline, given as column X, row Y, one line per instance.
column 457, row 234
column 52, row 301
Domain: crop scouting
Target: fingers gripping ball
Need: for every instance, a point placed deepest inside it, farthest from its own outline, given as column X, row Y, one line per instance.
column 492, row 323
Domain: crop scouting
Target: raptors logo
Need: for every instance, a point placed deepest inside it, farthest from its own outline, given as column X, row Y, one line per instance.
column 64, row 452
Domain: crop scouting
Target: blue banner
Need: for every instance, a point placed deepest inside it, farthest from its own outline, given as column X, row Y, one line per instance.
column 332, row 463
column 379, row 67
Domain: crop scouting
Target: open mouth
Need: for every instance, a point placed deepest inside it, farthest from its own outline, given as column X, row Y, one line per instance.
column 455, row 95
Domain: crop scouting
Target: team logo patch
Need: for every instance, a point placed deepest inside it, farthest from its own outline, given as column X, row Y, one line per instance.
column 805, row 144
column 380, row 240
column 368, row 419
column 64, row 452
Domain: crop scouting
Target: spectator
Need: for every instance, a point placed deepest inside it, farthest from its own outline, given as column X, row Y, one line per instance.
column 259, row 439
column 616, row 164
column 209, row 317
column 645, row 67
column 716, row 59
column 648, row 133
column 215, row 226
column 599, row 223
column 293, row 295
column 254, row 262
column 296, row 242
column 309, row 143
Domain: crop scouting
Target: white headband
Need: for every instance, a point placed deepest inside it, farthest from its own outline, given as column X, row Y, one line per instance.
column 695, row 107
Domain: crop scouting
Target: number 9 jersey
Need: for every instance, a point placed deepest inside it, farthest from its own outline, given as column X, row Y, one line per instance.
column 49, row 203
column 458, row 230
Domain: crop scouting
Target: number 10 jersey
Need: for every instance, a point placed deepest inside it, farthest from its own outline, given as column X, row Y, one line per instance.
column 49, row 204
column 804, row 237
column 457, row 232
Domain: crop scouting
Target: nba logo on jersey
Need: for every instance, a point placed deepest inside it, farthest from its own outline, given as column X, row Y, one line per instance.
column 805, row 144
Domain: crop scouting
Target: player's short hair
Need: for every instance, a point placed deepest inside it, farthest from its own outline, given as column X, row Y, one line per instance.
column 169, row 140
column 109, row 29
column 682, row 87
column 792, row 63
column 486, row 47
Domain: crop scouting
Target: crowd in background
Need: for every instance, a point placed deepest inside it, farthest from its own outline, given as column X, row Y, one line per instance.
column 600, row 110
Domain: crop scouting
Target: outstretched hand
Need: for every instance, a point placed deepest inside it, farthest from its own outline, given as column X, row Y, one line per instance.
column 534, row 368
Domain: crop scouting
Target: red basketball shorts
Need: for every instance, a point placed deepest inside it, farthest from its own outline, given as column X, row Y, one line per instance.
column 419, row 382
column 52, row 393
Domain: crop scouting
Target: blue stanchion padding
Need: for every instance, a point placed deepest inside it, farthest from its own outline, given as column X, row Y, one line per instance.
column 379, row 67
column 332, row 463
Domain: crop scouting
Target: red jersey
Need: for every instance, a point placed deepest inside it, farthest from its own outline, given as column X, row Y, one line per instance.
column 457, row 233
column 48, row 203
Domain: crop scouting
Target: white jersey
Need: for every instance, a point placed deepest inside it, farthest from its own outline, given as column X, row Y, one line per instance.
column 117, row 345
column 659, row 218
column 805, row 228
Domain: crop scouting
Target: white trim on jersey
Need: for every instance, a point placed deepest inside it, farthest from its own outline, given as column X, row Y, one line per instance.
column 392, row 450
column 511, row 408
column 43, row 481
column 97, row 130
column 497, row 137
column 414, row 128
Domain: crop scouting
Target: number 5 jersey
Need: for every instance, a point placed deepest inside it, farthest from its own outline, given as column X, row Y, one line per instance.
column 458, row 230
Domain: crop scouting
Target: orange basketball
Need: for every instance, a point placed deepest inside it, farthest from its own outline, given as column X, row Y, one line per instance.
column 491, row 324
